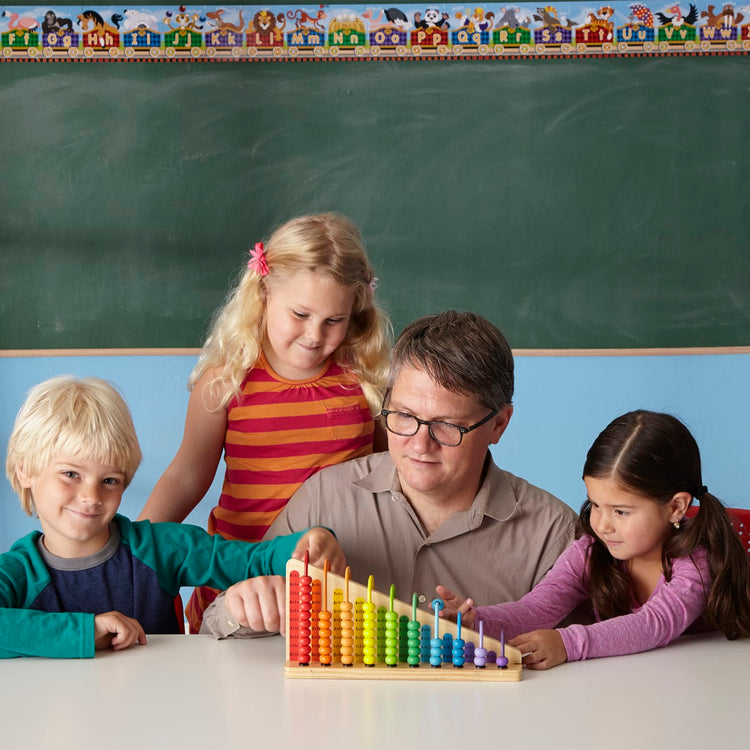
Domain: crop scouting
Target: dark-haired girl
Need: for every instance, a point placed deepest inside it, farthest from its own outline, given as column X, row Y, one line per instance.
column 649, row 572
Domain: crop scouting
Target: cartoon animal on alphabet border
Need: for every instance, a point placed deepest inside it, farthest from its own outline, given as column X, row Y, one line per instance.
column 726, row 18
column 477, row 21
column 54, row 24
column 218, row 24
column 393, row 17
column 90, row 18
column 676, row 18
column 265, row 22
column 138, row 19
column 642, row 15
column 346, row 20
column 601, row 19
column 304, row 20
column 184, row 20
column 433, row 19
column 19, row 23
column 510, row 18
column 548, row 17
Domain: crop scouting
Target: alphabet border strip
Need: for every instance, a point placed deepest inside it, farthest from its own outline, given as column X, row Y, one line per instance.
column 254, row 33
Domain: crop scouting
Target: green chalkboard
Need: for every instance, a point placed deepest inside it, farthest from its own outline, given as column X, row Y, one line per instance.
column 576, row 203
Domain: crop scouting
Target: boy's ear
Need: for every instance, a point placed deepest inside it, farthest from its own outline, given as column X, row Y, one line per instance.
column 23, row 478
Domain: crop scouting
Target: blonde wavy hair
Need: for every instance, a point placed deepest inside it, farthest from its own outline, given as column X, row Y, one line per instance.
column 69, row 416
column 328, row 244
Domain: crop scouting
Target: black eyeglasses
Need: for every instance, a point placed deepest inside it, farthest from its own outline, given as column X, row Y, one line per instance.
column 444, row 433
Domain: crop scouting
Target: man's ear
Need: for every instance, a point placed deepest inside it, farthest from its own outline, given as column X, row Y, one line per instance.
column 500, row 423
column 678, row 506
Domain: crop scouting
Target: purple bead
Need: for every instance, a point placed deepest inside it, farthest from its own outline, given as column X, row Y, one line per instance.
column 480, row 657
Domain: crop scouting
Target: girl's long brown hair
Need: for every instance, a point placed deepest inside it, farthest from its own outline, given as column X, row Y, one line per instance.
column 655, row 456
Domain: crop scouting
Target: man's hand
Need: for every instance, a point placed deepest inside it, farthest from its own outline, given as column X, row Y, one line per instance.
column 321, row 546
column 116, row 631
column 455, row 604
column 259, row 603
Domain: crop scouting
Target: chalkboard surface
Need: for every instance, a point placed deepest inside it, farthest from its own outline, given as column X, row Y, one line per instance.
column 576, row 203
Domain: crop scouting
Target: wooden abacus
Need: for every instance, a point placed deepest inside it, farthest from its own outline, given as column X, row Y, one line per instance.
column 339, row 629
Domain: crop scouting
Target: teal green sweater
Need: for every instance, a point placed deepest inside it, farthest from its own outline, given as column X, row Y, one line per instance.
column 47, row 603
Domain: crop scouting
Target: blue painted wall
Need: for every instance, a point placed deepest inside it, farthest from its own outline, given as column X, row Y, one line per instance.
column 561, row 404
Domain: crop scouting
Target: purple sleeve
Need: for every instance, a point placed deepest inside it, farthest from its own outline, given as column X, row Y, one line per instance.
column 554, row 597
column 671, row 608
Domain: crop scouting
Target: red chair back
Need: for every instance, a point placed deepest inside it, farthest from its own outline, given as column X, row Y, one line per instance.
column 740, row 520
column 179, row 612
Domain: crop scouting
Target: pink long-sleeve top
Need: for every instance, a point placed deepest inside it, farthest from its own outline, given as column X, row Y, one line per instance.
column 673, row 606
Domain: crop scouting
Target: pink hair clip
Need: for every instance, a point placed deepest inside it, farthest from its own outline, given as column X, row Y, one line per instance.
column 258, row 262
column 374, row 283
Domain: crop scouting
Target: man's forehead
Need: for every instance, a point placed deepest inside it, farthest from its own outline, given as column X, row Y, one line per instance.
column 417, row 384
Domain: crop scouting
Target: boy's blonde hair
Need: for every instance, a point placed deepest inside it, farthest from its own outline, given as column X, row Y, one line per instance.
column 328, row 244
column 69, row 416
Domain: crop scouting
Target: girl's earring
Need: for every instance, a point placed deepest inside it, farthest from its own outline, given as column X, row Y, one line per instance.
column 676, row 524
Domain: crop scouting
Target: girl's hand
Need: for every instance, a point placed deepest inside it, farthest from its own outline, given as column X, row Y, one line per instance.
column 454, row 604
column 116, row 631
column 543, row 649
column 321, row 546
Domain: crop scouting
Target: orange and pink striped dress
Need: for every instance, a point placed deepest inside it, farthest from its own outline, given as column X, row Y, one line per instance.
column 280, row 432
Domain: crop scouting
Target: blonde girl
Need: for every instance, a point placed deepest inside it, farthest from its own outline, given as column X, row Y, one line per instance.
column 287, row 382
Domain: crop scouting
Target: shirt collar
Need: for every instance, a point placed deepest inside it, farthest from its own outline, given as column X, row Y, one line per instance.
column 495, row 497
column 382, row 476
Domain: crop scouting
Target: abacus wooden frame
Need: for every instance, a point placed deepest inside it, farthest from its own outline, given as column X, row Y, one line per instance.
column 358, row 671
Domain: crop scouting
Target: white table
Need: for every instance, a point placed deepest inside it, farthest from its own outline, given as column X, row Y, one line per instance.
column 195, row 692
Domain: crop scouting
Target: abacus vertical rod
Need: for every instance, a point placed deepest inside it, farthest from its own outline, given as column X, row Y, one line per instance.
column 325, row 634
column 347, row 625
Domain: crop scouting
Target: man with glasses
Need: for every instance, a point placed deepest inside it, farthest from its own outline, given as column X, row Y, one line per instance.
column 435, row 508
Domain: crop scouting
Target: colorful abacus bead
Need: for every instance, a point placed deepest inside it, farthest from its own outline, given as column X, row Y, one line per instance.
column 458, row 646
column 436, row 642
column 424, row 642
column 469, row 651
column 369, row 639
column 480, row 657
column 324, row 638
column 502, row 660
column 436, row 652
column 415, row 649
column 447, row 648
column 391, row 639
column 380, row 634
column 305, row 606
column 403, row 638
column 347, row 634
column 458, row 652
column 480, row 652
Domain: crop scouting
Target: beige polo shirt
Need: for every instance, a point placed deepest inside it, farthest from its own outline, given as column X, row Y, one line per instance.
column 494, row 552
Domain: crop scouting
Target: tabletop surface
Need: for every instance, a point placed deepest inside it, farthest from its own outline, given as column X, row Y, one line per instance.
column 195, row 692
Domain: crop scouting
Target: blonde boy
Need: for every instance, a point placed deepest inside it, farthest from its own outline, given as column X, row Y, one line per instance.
column 93, row 579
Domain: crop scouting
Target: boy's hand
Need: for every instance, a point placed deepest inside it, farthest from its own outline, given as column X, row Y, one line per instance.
column 543, row 649
column 321, row 546
column 454, row 604
column 116, row 631
column 259, row 603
